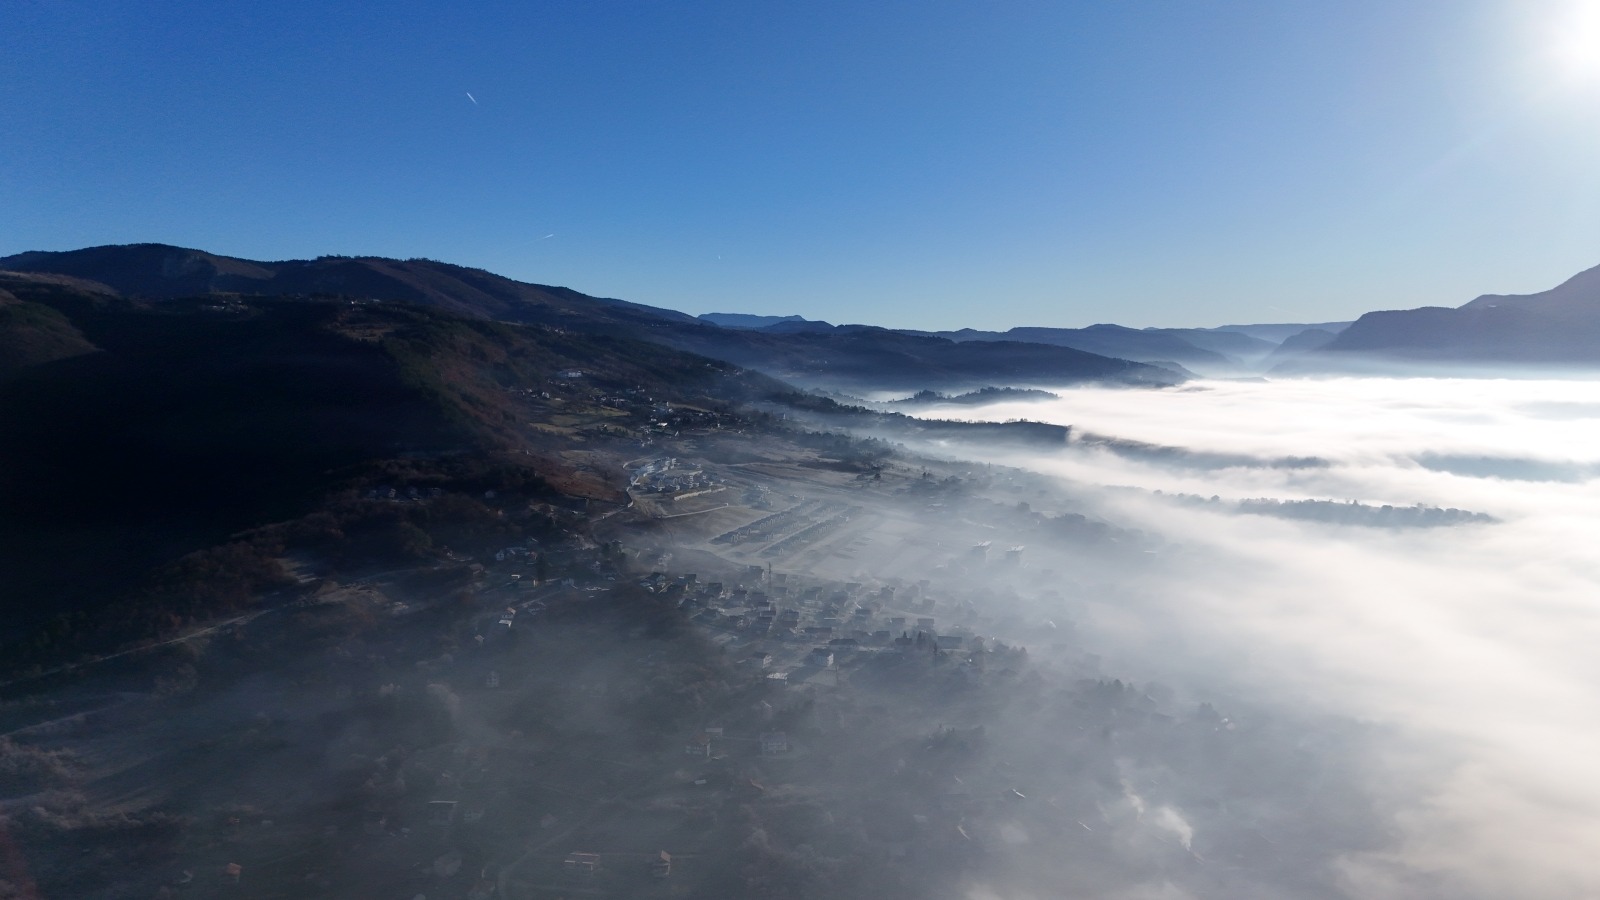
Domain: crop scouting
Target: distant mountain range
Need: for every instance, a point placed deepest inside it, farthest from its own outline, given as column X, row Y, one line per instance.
column 746, row 320
column 1210, row 352
column 856, row 357
column 1281, row 332
column 1555, row 328
column 1230, row 350
column 1558, row 327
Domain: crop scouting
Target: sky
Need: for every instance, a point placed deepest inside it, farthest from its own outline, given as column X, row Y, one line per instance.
column 1466, row 651
column 929, row 164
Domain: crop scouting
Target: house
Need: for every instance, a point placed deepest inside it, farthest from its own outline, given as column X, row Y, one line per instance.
column 774, row 743
column 581, row 863
column 699, row 745
column 948, row 641
column 661, row 866
column 441, row 812
column 821, row 657
column 760, row 660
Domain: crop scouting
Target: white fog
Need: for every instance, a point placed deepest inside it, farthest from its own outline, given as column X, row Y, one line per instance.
column 1471, row 647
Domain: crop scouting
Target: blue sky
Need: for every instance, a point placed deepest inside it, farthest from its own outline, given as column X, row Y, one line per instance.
column 922, row 164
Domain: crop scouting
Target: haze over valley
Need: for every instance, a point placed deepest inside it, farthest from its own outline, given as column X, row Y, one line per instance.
column 1291, row 636
column 1467, row 648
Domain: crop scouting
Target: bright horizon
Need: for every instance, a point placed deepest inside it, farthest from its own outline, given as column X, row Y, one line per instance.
column 922, row 165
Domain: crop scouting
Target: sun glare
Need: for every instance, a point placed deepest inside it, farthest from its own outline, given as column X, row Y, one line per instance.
column 1577, row 43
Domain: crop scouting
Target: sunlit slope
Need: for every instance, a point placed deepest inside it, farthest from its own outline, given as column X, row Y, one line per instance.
column 33, row 333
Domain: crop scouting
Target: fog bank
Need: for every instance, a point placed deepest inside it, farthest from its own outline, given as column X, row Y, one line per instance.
column 1471, row 646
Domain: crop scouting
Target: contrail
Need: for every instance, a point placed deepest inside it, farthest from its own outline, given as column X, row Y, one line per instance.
column 536, row 240
column 472, row 98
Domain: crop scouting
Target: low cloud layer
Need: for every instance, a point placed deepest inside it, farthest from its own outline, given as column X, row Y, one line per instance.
column 1471, row 648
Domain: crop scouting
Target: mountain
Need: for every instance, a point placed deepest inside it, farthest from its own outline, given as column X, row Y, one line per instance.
column 1226, row 350
column 153, row 429
column 159, row 271
column 774, row 324
column 806, row 326
column 33, row 333
column 1557, row 327
column 1576, row 298
column 745, row 320
column 1299, row 344
column 1235, row 345
column 1277, row 333
column 811, row 353
column 882, row 359
column 1148, row 346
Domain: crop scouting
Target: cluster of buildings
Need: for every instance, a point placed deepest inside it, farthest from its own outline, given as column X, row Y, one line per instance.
column 666, row 476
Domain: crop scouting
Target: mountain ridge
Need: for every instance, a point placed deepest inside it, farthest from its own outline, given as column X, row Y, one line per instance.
column 163, row 271
column 814, row 354
column 1559, row 327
